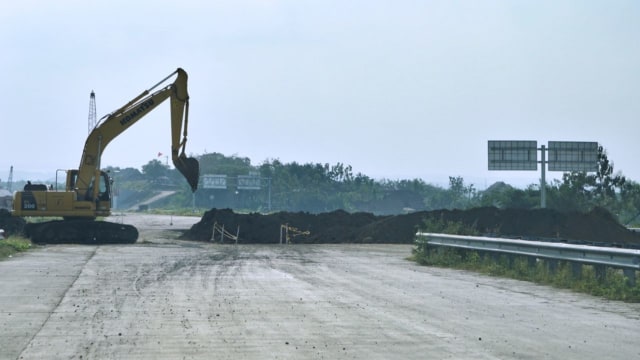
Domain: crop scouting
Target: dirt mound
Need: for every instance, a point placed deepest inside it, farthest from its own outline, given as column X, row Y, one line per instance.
column 11, row 225
column 596, row 227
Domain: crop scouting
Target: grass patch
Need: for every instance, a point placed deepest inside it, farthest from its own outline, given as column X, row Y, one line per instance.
column 610, row 284
column 176, row 212
column 13, row 245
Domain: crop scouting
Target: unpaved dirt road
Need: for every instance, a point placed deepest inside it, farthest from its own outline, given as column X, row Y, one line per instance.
column 167, row 299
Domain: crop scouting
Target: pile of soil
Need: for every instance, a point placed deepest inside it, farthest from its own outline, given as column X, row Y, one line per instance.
column 11, row 225
column 597, row 227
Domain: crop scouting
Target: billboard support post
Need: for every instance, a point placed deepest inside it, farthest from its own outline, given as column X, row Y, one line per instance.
column 543, row 182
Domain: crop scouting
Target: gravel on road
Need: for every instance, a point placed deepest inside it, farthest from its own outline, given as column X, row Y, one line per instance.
column 164, row 298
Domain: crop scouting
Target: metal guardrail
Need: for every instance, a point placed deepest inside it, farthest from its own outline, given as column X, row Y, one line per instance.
column 626, row 259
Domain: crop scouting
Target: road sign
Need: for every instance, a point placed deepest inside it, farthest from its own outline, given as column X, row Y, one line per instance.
column 214, row 181
column 248, row 182
column 513, row 155
column 573, row 156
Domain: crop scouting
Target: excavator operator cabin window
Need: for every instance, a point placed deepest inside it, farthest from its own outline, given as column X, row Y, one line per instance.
column 104, row 187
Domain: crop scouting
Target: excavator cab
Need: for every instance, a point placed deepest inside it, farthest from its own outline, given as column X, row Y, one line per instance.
column 102, row 183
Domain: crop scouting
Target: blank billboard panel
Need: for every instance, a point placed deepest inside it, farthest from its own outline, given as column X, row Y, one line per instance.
column 513, row 155
column 573, row 156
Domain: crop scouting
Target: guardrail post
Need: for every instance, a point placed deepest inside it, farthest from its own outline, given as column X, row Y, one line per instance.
column 601, row 272
column 630, row 274
column 428, row 249
column 576, row 270
column 532, row 260
column 552, row 266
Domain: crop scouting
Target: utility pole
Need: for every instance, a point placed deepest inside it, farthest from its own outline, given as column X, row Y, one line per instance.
column 10, row 181
column 543, row 180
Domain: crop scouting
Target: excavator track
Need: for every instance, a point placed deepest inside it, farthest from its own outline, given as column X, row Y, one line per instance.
column 88, row 232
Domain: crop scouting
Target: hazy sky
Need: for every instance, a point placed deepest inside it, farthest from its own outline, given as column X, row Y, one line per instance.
column 397, row 89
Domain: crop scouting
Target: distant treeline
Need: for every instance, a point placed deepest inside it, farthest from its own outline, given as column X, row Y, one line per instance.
column 315, row 188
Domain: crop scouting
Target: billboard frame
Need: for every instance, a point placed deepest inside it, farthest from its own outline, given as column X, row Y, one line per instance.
column 573, row 156
column 512, row 155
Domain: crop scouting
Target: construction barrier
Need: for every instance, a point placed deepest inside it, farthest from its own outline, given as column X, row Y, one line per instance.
column 223, row 233
column 287, row 232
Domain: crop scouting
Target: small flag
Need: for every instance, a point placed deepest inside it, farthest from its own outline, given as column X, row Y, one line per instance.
column 159, row 154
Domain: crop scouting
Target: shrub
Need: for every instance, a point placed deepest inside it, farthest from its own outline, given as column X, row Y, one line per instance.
column 13, row 245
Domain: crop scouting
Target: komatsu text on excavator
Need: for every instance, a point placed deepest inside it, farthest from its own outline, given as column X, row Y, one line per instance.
column 87, row 194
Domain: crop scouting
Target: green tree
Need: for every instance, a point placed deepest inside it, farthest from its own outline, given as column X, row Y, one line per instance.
column 502, row 195
column 581, row 191
column 218, row 164
column 629, row 211
column 154, row 169
column 460, row 195
column 604, row 182
column 573, row 193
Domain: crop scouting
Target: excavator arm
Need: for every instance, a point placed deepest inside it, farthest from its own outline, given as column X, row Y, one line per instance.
column 120, row 120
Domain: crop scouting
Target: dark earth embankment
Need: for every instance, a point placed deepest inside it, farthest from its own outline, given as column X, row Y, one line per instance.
column 596, row 227
column 11, row 225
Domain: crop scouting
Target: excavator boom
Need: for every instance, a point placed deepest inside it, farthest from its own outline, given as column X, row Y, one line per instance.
column 120, row 120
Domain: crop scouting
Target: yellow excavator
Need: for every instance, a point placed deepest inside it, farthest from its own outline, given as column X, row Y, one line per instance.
column 87, row 194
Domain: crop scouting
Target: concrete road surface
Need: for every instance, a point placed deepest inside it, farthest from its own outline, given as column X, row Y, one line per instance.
column 168, row 299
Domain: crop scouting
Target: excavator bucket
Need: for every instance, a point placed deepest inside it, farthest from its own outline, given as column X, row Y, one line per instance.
column 190, row 169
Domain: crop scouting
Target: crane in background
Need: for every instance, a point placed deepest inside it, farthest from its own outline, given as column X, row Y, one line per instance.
column 10, row 181
column 92, row 111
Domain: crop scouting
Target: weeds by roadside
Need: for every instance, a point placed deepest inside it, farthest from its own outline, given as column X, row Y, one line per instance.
column 13, row 245
column 581, row 278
